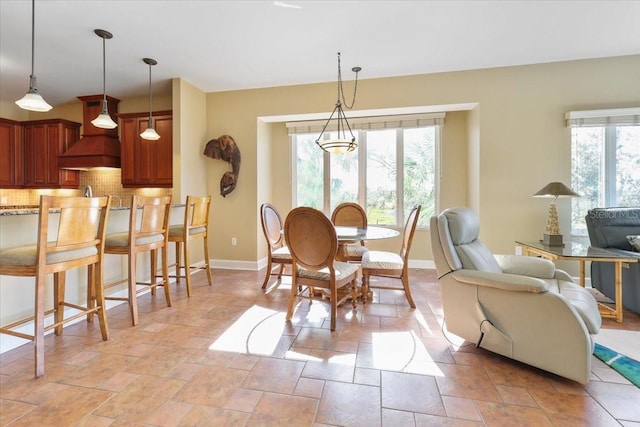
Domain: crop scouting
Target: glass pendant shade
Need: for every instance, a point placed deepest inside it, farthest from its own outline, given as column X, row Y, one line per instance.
column 104, row 121
column 150, row 133
column 33, row 101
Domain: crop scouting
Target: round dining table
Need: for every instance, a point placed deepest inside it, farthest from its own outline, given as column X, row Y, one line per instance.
column 347, row 235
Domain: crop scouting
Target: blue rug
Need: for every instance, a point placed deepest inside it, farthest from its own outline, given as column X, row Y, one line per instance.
column 626, row 366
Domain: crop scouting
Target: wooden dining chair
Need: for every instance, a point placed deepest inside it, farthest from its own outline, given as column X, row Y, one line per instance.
column 312, row 241
column 148, row 234
column 351, row 214
column 77, row 241
column 277, row 250
column 390, row 264
column 195, row 226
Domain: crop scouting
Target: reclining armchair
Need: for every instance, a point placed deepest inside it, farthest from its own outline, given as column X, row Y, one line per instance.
column 517, row 306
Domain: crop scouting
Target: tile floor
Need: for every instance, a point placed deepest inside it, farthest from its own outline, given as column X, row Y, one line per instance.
column 226, row 356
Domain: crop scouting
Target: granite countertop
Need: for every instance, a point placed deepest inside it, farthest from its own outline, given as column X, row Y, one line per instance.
column 9, row 210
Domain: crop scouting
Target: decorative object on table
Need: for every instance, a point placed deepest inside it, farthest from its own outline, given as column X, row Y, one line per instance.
column 342, row 143
column 625, row 366
column 554, row 190
column 225, row 148
column 150, row 133
column 104, row 120
column 33, row 101
column 496, row 301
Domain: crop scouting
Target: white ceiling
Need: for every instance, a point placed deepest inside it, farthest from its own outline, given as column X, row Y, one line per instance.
column 229, row 45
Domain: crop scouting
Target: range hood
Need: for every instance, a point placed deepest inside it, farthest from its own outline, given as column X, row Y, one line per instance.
column 97, row 148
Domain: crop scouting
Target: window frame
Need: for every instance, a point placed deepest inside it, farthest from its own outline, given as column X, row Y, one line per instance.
column 361, row 137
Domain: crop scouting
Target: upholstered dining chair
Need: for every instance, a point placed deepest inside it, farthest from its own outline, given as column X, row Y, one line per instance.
column 195, row 226
column 147, row 234
column 351, row 214
column 77, row 241
column 277, row 250
column 390, row 264
column 312, row 241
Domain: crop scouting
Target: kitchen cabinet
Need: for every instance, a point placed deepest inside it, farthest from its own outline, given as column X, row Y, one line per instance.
column 44, row 141
column 11, row 154
column 146, row 163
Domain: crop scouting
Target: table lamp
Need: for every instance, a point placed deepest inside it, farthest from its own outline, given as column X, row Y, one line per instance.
column 552, row 236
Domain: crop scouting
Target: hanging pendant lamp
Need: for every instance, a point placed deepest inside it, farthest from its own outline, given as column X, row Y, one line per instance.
column 150, row 133
column 104, row 120
column 342, row 142
column 33, row 101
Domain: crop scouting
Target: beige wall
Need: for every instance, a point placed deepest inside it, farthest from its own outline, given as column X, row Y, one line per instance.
column 494, row 156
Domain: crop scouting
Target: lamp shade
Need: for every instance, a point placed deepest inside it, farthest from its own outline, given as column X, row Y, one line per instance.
column 33, row 101
column 150, row 134
column 556, row 189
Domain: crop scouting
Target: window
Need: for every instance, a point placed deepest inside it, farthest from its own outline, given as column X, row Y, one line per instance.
column 394, row 168
column 605, row 161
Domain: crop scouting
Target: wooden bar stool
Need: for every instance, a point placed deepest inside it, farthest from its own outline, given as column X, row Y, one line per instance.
column 79, row 241
column 195, row 226
column 148, row 234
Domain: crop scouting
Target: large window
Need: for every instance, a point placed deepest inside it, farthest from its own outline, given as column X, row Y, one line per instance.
column 605, row 161
column 394, row 168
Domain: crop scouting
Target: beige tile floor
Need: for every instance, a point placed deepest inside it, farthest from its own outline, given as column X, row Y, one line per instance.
column 226, row 356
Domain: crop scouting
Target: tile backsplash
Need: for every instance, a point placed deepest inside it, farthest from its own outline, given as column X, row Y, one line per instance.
column 102, row 182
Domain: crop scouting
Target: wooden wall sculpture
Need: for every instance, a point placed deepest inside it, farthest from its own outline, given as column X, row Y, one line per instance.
column 225, row 148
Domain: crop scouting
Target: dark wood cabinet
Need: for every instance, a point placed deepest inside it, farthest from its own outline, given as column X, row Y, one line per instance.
column 44, row 141
column 146, row 163
column 11, row 154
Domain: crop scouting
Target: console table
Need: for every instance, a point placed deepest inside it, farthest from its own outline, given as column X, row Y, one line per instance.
column 573, row 251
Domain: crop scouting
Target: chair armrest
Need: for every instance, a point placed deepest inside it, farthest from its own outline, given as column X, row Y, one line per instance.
column 526, row 266
column 507, row 282
column 563, row 275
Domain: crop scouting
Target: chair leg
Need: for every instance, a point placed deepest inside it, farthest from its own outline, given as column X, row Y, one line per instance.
column 268, row 273
column 58, row 298
column 133, row 304
column 333, row 299
column 153, row 261
column 165, row 275
column 90, row 292
column 407, row 290
column 178, row 254
column 206, row 258
column 96, row 287
column 365, row 287
column 187, row 266
column 38, row 335
column 292, row 298
column 354, row 293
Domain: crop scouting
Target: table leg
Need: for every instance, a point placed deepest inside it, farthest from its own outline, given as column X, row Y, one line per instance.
column 618, row 294
column 582, row 280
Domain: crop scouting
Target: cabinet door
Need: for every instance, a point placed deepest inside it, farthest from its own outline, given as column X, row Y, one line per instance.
column 43, row 142
column 11, row 154
column 146, row 163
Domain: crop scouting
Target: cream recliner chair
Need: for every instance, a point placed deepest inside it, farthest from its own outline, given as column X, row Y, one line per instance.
column 518, row 306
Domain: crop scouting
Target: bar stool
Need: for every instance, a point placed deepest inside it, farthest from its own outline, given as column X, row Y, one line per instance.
column 79, row 241
column 195, row 226
column 147, row 234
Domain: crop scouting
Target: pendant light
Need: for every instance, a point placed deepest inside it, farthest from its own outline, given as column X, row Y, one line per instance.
column 33, row 101
column 342, row 143
column 150, row 133
column 104, row 120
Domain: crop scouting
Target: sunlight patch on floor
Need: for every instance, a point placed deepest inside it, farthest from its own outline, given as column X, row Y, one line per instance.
column 402, row 351
column 257, row 331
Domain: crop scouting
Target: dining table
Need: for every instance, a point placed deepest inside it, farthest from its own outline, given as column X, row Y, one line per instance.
column 349, row 235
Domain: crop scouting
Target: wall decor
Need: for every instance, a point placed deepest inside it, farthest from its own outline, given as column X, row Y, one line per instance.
column 225, row 148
